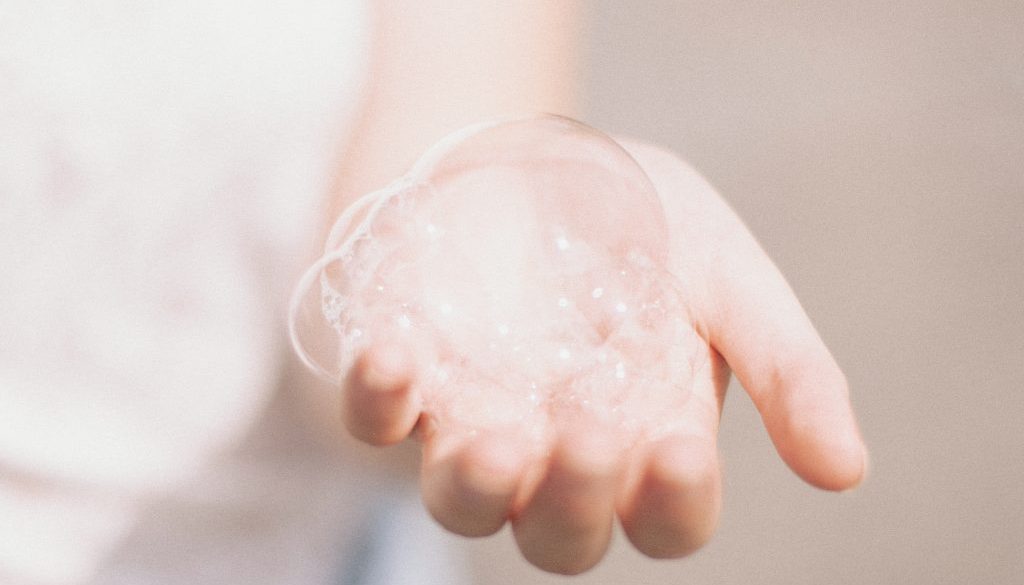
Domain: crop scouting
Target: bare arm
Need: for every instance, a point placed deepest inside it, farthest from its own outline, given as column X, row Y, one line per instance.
column 438, row 66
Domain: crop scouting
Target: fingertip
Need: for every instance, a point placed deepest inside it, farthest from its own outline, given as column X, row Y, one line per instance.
column 566, row 526
column 379, row 404
column 385, row 368
column 849, row 469
column 469, row 488
column 675, row 507
column 832, row 472
column 823, row 446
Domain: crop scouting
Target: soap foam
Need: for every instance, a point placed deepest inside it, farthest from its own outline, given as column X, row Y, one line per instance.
column 524, row 263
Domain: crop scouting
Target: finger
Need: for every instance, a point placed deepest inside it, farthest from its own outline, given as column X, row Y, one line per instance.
column 380, row 405
column 766, row 337
column 674, row 508
column 796, row 384
column 567, row 524
column 752, row 317
column 469, row 483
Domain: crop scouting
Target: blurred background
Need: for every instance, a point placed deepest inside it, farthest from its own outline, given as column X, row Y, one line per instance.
column 876, row 149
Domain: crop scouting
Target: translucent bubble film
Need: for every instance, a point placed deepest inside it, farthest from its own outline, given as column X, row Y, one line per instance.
column 524, row 263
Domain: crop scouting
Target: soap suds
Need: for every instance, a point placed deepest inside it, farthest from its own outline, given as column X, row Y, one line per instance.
column 532, row 287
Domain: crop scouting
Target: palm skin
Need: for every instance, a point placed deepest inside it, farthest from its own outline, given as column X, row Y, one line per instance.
column 562, row 501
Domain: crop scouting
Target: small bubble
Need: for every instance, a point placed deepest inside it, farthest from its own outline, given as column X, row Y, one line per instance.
column 562, row 243
column 564, row 353
column 620, row 307
column 620, row 371
column 563, row 302
column 597, row 293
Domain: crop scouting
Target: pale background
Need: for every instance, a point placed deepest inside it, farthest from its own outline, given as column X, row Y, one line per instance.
column 876, row 148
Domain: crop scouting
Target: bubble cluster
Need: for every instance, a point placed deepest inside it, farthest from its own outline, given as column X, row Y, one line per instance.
column 524, row 262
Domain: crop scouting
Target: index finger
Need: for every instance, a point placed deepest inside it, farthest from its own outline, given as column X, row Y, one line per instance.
column 751, row 316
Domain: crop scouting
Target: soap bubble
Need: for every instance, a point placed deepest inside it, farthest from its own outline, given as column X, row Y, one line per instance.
column 525, row 264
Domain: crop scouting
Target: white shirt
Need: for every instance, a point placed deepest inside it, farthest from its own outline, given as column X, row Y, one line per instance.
column 163, row 167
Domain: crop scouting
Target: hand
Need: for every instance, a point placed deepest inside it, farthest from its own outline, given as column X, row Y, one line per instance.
column 562, row 503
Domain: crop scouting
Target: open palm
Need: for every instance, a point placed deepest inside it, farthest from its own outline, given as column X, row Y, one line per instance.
column 562, row 500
